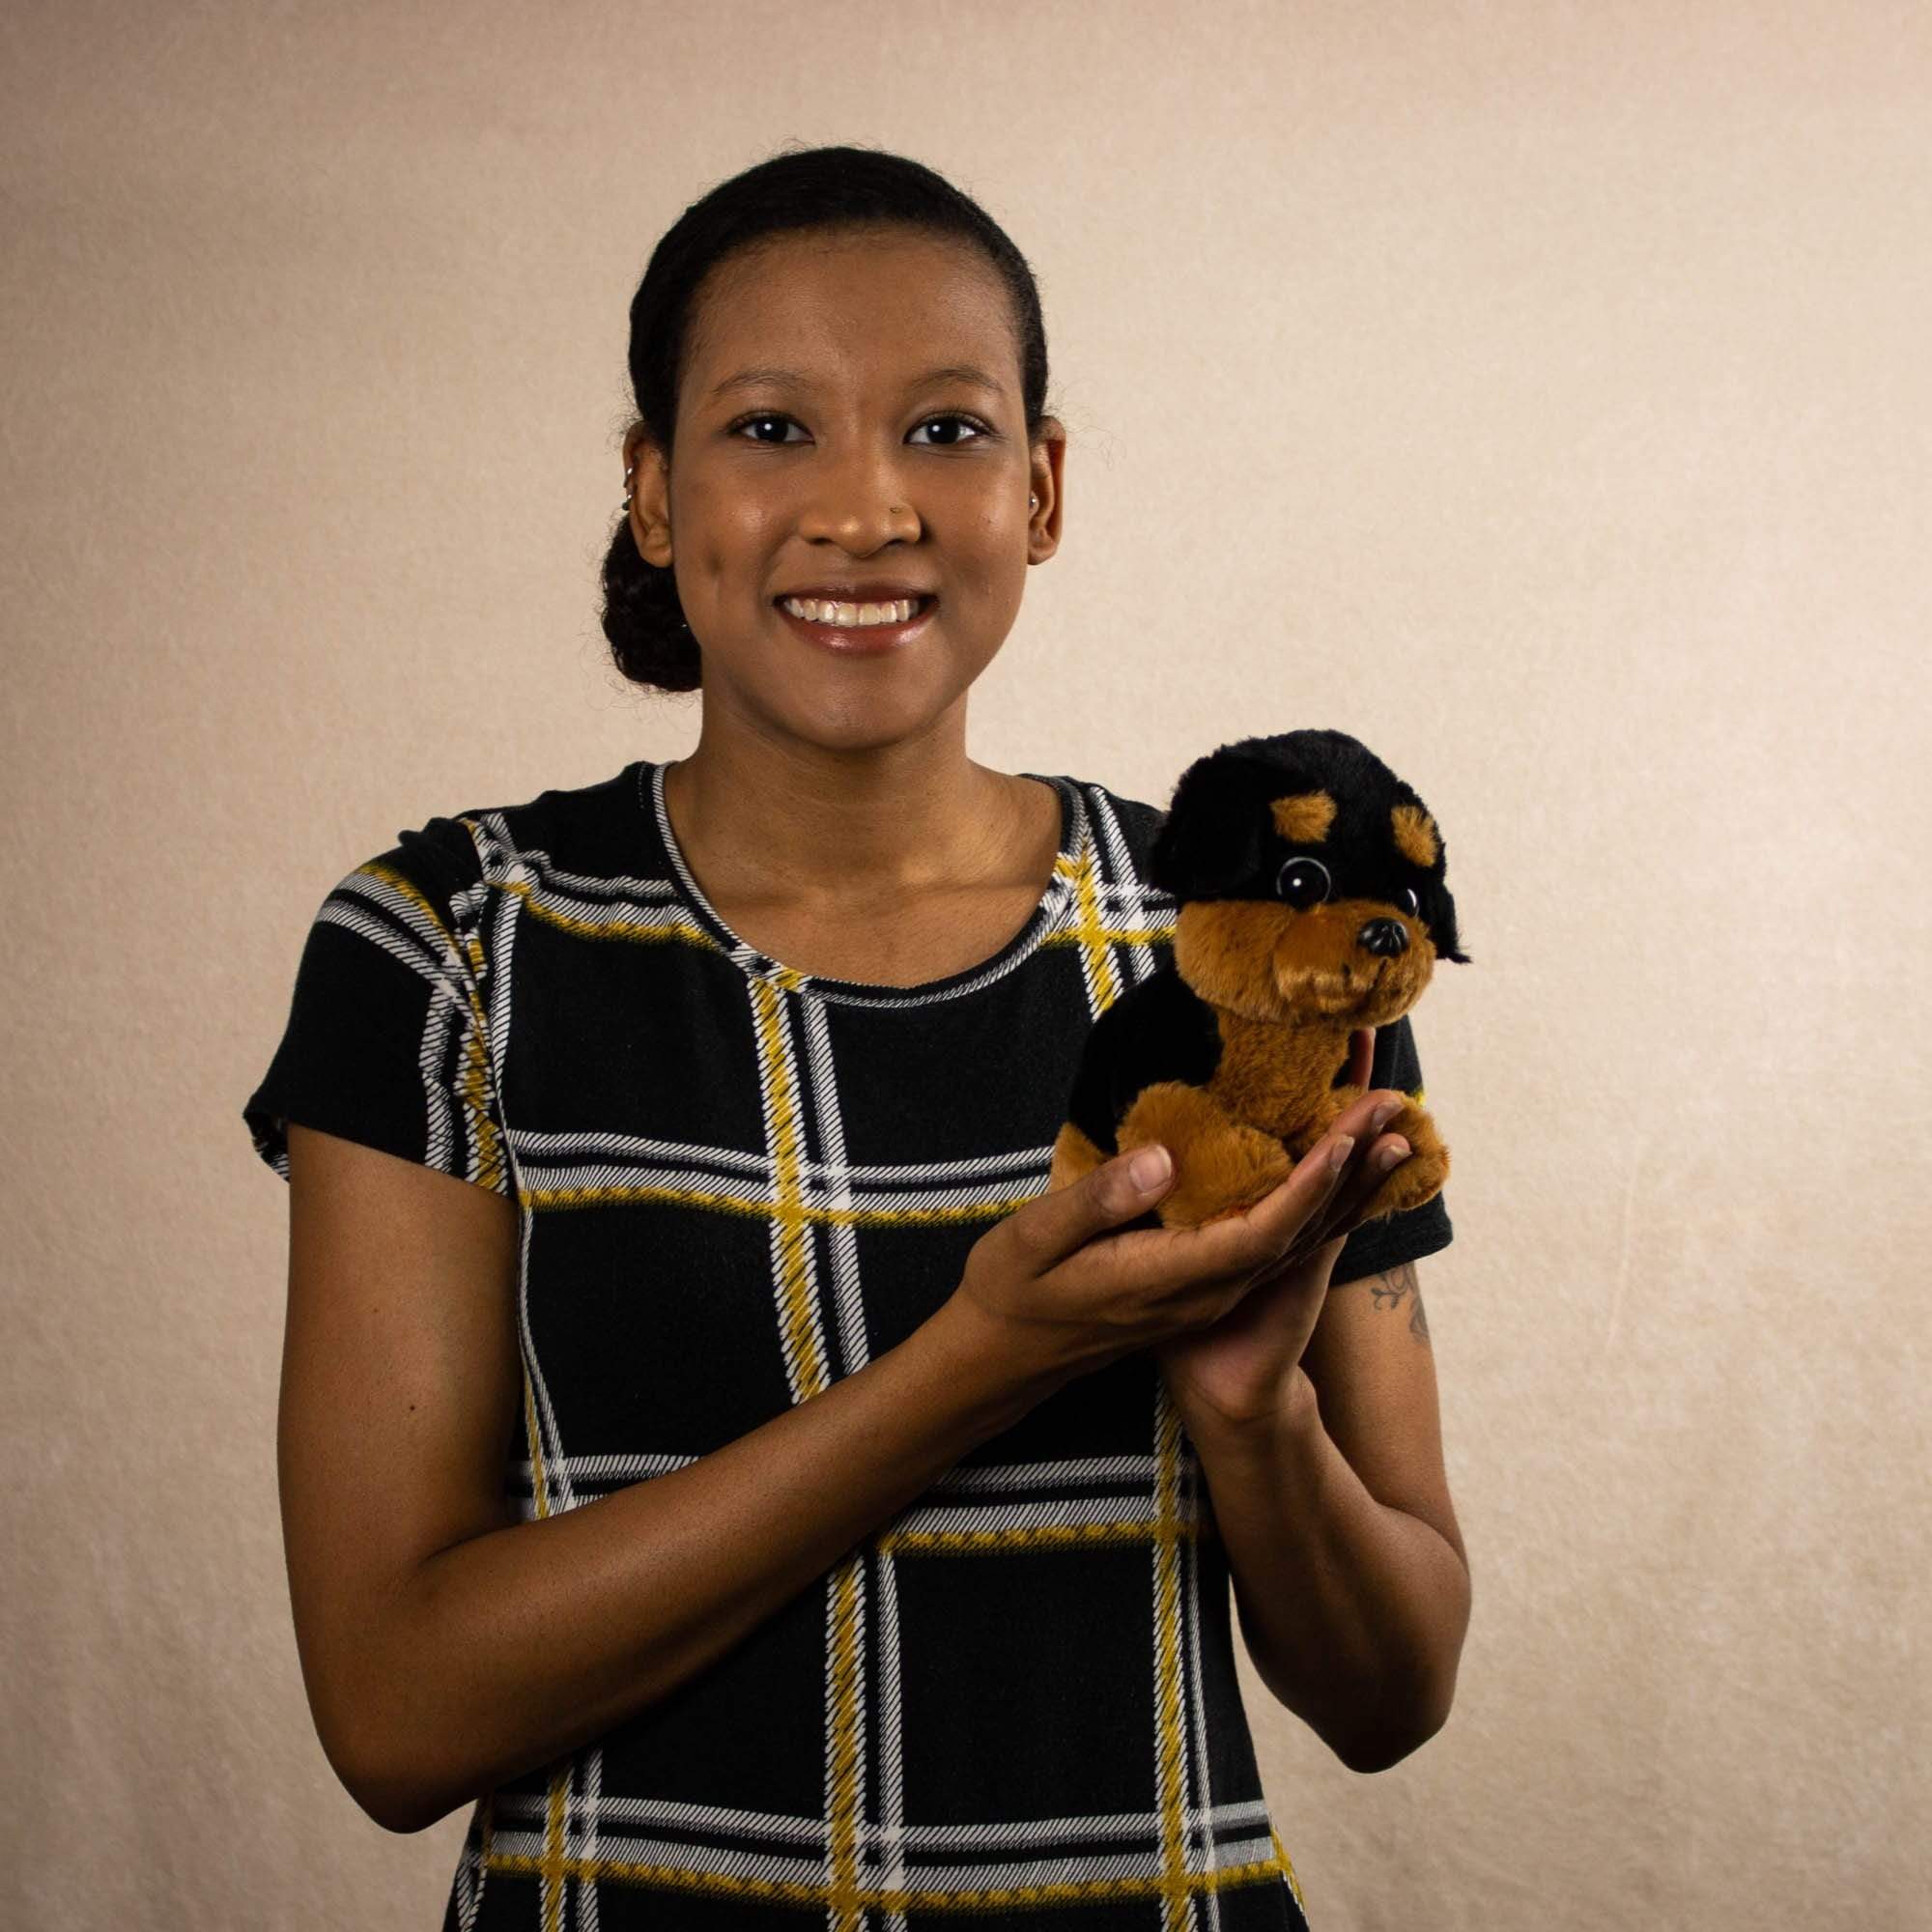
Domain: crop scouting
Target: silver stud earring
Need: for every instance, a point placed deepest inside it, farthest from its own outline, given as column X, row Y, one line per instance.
column 1032, row 502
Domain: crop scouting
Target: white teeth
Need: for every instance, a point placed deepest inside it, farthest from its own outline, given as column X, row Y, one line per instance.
column 818, row 612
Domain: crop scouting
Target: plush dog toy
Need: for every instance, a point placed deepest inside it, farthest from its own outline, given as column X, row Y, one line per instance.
column 1310, row 881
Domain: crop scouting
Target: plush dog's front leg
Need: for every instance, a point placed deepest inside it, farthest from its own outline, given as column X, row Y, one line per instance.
column 1221, row 1166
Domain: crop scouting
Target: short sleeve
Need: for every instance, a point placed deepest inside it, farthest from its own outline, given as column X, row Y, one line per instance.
column 387, row 1041
column 1378, row 1245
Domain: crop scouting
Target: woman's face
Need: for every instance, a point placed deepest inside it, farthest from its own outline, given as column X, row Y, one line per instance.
column 816, row 444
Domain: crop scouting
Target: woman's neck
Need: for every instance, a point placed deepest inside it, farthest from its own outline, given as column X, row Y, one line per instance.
column 763, row 826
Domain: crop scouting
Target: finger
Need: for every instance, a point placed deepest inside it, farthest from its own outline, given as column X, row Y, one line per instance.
column 1334, row 1208
column 1049, row 1227
column 1365, row 1179
column 1305, row 1253
column 1368, row 1117
column 1297, row 1218
column 1360, row 1178
column 1291, row 1214
column 1361, row 1056
column 1366, row 1170
column 1231, row 1244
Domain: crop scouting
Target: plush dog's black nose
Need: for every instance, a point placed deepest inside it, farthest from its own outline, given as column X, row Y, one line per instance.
column 1384, row 936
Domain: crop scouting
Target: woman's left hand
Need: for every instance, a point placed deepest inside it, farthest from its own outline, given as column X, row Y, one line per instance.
column 1246, row 1367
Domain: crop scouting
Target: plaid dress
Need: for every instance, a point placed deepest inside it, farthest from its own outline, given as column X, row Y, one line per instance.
column 1013, row 1705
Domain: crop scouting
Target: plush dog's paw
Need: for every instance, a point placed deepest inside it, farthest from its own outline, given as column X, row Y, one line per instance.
column 1420, row 1177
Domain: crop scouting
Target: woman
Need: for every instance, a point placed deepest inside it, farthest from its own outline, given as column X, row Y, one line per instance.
column 706, row 1447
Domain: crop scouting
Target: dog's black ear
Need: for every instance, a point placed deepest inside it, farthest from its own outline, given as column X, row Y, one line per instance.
column 1442, row 933
column 1211, row 840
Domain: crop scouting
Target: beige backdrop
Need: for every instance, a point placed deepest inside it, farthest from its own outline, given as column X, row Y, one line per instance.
column 1540, row 393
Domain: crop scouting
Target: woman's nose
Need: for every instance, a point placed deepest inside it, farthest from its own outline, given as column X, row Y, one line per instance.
column 865, row 506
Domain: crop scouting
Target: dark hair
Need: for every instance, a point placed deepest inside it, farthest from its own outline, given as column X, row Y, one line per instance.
column 809, row 189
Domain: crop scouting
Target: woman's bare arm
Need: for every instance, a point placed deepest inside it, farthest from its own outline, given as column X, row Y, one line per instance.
column 1351, row 1573
column 446, row 1647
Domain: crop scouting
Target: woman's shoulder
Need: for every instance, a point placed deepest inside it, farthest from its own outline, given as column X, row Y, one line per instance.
column 592, row 829
column 1124, row 827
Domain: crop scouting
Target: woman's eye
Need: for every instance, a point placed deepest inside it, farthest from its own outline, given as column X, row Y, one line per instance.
column 1302, row 882
column 767, row 416
column 978, row 428
column 973, row 423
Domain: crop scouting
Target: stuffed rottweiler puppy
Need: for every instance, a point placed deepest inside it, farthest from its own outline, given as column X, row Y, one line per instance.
column 1310, row 881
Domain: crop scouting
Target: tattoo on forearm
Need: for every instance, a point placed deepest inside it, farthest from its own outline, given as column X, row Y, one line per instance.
column 1391, row 1286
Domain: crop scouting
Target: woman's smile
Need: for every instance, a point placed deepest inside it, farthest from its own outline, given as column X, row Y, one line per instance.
column 860, row 638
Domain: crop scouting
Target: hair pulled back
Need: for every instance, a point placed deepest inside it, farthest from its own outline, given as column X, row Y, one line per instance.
column 803, row 189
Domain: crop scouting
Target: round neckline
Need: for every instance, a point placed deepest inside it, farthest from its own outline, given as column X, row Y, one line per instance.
column 760, row 965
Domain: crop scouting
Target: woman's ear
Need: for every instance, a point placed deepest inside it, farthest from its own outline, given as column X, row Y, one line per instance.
column 1043, row 477
column 647, row 482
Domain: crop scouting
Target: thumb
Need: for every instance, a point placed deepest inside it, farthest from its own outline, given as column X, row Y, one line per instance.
column 1054, row 1225
column 1133, row 1179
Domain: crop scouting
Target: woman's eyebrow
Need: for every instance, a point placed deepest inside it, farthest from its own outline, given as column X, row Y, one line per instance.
column 792, row 379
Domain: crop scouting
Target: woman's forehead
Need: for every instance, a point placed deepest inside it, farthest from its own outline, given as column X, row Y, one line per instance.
column 811, row 308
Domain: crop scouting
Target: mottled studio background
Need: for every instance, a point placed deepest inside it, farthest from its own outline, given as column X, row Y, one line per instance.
column 1540, row 391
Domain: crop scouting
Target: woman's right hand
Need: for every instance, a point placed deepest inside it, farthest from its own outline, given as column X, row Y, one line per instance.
column 1065, row 1297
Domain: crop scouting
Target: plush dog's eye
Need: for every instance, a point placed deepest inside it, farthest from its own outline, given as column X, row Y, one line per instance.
column 1302, row 882
column 1407, row 901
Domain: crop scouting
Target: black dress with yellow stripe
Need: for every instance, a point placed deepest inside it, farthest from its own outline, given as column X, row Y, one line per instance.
column 1016, row 1703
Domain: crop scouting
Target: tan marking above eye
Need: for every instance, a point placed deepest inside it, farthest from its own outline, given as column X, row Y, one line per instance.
column 1414, row 835
column 1304, row 818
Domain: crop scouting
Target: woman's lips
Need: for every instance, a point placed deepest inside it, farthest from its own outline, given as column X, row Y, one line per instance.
column 857, row 639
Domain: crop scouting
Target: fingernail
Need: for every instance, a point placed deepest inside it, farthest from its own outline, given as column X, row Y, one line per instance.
column 1396, row 1151
column 1385, row 1114
column 1150, row 1168
column 1337, row 1154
